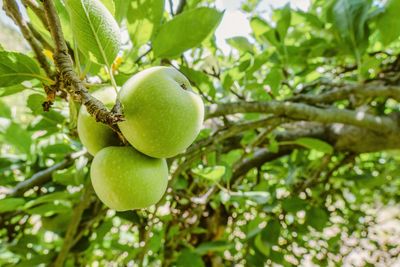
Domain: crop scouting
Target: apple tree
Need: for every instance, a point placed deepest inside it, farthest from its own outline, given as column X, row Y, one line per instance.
column 297, row 158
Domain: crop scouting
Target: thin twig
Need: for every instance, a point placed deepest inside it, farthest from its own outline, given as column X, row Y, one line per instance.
column 44, row 176
column 12, row 10
column 143, row 55
column 38, row 10
column 39, row 37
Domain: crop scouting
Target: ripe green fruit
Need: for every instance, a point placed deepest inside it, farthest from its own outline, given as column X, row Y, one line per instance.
column 125, row 179
column 162, row 115
column 95, row 135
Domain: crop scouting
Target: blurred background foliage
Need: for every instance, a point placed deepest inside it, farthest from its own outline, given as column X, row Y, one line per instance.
column 302, row 203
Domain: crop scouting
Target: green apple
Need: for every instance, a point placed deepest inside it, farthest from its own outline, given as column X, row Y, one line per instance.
column 95, row 135
column 162, row 115
column 125, row 179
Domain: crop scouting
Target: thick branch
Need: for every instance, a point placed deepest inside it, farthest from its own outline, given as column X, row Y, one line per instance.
column 64, row 65
column 369, row 90
column 299, row 111
column 44, row 176
column 11, row 8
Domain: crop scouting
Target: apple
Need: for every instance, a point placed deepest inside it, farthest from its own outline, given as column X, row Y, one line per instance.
column 125, row 179
column 162, row 114
column 96, row 135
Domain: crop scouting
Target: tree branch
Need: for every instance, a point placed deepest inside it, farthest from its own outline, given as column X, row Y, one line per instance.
column 38, row 10
column 369, row 90
column 71, row 80
column 12, row 10
column 44, row 176
column 73, row 225
column 209, row 144
column 260, row 157
column 40, row 38
column 299, row 111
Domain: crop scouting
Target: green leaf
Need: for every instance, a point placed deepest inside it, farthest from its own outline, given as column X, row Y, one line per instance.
column 259, row 27
column 73, row 175
column 96, row 31
column 18, row 137
column 294, row 204
column 121, row 9
column 10, row 90
column 5, row 110
column 144, row 19
column 35, row 103
column 261, row 246
column 274, row 79
column 189, row 258
column 48, row 198
column 56, row 223
column 317, row 218
column 213, row 246
column 11, row 204
column 38, row 25
column 241, row 43
column 258, row 197
column 57, row 149
column 17, row 67
column 277, row 257
column 349, row 18
column 388, row 23
column 214, row 173
column 188, row 29
column 48, row 209
column 315, row 144
column 199, row 79
column 283, row 23
column 109, row 4
column 312, row 20
column 270, row 234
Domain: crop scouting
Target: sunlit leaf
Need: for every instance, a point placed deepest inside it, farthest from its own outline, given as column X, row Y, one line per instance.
column 11, row 204
column 189, row 29
column 214, row 173
column 17, row 67
column 189, row 258
column 315, row 144
column 144, row 19
column 98, row 36
column 388, row 22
